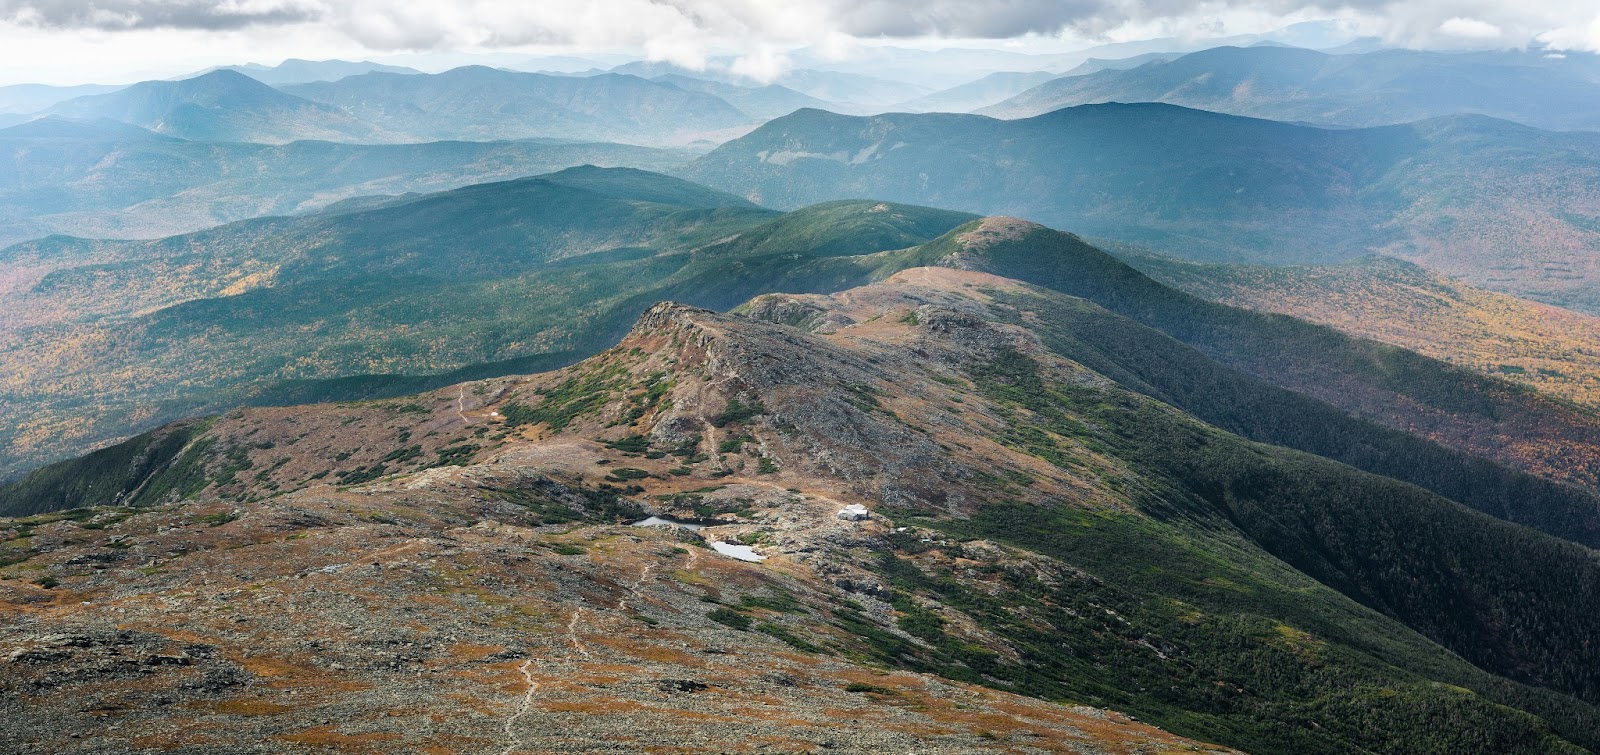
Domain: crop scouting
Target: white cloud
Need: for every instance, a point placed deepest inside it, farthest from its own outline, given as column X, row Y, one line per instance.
column 1469, row 28
column 757, row 33
column 765, row 63
column 1576, row 36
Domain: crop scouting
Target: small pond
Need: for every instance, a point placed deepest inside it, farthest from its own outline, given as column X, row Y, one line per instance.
column 731, row 550
column 741, row 552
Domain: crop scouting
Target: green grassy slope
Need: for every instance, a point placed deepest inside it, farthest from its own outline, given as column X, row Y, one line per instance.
column 523, row 273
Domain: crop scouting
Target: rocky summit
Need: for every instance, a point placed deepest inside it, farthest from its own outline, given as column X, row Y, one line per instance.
column 461, row 571
column 454, row 572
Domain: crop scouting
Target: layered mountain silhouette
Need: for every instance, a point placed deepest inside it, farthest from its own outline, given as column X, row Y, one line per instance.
column 109, row 179
column 222, row 106
column 19, row 99
column 1488, row 201
column 1368, row 89
column 298, row 71
column 475, row 102
column 848, row 91
column 980, row 93
column 364, row 103
column 760, row 102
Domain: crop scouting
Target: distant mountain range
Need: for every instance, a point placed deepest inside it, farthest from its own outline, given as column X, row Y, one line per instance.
column 657, row 103
column 223, row 106
column 463, row 104
column 1371, row 89
column 483, row 103
column 109, row 179
column 972, row 95
column 943, row 68
column 296, row 71
column 1241, row 190
column 1093, row 65
column 1498, row 204
column 762, row 102
column 843, row 92
column 1001, row 86
column 19, row 99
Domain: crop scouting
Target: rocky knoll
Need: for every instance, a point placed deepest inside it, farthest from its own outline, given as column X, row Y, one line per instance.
column 450, row 573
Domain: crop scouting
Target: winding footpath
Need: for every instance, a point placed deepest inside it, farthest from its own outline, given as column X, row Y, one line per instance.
column 572, row 633
column 513, row 741
column 638, row 584
column 522, row 710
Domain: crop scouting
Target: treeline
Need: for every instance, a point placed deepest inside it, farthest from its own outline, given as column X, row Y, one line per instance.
column 1515, row 602
column 144, row 469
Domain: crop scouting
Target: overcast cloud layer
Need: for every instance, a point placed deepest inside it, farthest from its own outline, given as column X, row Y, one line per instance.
column 684, row 31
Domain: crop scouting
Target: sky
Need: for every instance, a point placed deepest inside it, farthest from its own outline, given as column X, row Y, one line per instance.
column 118, row 41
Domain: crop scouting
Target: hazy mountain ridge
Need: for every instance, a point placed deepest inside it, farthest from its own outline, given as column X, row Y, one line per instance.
column 977, row 94
column 759, row 102
column 840, row 90
column 1369, row 89
column 371, row 104
column 1504, row 206
column 222, row 106
column 475, row 102
column 113, row 180
column 17, row 99
column 297, row 71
